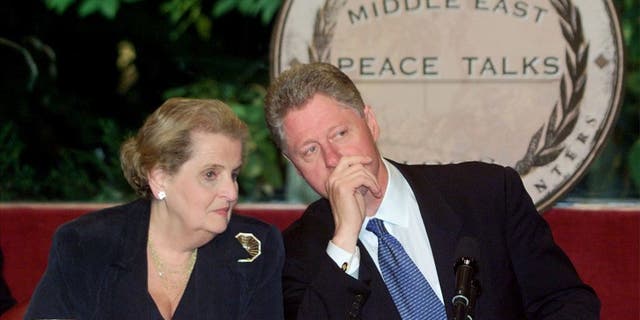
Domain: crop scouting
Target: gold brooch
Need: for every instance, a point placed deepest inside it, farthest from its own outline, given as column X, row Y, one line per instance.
column 250, row 243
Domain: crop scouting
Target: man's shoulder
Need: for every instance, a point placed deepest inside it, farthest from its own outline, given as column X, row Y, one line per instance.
column 316, row 222
column 452, row 167
column 468, row 170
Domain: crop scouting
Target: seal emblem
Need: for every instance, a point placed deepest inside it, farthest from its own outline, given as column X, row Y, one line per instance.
column 531, row 84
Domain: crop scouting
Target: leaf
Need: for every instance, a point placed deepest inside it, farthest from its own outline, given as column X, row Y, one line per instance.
column 108, row 8
column 582, row 57
column 570, row 64
column 566, row 31
column 269, row 9
column 551, row 129
column 547, row 155
column 222, row 7
column 247, row 7
column 535, row 141
column 567, row 125
column 203, row 26
column 59, row 6
column 563, row 94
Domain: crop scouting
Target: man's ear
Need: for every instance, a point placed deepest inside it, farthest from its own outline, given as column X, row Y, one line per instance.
column 372, row 122
column 156, row 178
column 292, row 163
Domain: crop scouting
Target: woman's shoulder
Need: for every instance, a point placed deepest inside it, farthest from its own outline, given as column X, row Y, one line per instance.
column 101, row 232
column 105, row 222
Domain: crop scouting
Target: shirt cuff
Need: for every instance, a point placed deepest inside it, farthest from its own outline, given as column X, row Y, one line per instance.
column 347, row 261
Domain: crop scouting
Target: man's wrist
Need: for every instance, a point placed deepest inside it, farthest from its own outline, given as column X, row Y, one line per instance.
column 347, row 261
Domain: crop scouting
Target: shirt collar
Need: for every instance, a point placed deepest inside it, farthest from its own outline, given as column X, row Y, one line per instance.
column 393, row 208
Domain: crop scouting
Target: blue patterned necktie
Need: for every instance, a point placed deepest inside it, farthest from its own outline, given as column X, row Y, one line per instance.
column 410, row 291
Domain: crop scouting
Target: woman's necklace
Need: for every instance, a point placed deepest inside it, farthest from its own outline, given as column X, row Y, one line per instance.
column 174, row 278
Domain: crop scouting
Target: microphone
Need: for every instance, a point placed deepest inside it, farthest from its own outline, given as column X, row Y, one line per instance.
column 473, row 295
column 467, row 288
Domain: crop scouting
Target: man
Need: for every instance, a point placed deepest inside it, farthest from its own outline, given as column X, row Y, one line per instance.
column 333, row 268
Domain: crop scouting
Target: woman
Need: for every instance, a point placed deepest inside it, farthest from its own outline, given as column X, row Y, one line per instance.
column 176, row 253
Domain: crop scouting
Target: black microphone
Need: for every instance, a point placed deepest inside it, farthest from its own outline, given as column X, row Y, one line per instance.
column 467, row 288
column 473, row 295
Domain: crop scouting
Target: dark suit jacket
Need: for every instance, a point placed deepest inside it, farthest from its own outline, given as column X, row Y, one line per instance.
column 6, row 300
column 97, row 269
column 522, row 272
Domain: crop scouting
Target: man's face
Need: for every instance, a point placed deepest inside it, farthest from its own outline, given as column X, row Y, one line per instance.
column 320, row 133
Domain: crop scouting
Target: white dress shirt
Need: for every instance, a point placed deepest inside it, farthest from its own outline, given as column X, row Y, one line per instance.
column 402, row 219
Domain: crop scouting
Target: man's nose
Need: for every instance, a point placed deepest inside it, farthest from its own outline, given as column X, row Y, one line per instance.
column 331, row 156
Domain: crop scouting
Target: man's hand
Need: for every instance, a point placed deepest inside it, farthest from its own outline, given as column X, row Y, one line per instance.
column 348, row 188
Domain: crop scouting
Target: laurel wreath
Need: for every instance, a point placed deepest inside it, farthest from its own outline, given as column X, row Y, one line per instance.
column 568, row 106
column 323, row 28
column 563, row 117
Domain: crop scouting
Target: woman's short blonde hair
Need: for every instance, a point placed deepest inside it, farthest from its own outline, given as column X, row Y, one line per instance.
column 165, row 138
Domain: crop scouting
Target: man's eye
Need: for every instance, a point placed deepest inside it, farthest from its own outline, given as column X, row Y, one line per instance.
column 340, row 134
column 310, row 150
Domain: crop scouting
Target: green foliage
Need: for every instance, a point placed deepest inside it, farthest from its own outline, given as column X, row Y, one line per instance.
column 634, row 164
column 76, row 174
column 59, row 6
column 106, row 8
column 182, row 13
column 630, row 11
column 186, row 13
column 613, row 174
column 262, row 174
column 16, row 179
column 95, row 174
column 202, row 51
column 265, row 8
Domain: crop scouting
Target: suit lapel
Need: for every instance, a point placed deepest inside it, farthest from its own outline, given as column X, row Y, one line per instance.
column 380, row 299
column 128, row 263
column 443, row 225
column 219, row 279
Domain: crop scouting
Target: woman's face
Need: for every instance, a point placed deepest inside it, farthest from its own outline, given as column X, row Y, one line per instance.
column 205, row 188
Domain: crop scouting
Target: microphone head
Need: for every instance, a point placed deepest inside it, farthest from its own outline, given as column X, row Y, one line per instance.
column 466, row 252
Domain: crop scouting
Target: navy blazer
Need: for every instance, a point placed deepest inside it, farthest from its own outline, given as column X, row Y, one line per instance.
column 522, row 272
column 97, row 269
column 6, row 300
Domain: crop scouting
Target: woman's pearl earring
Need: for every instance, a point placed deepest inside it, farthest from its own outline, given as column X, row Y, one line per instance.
column 161, row 195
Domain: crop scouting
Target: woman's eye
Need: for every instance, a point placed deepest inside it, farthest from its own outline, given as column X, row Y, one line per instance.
column 210, row 175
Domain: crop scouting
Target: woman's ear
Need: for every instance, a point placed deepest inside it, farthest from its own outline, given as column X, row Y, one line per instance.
column 156, row 178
